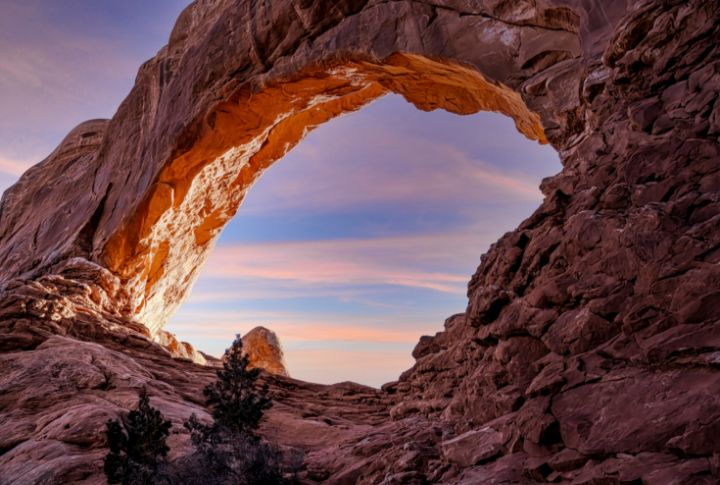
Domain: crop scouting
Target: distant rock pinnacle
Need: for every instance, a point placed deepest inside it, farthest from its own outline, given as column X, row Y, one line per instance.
column 263, row 348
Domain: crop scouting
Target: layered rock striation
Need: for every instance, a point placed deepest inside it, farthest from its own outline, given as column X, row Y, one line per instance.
column 588, row 352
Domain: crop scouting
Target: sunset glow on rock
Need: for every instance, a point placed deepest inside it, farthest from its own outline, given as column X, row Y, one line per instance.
column 395, row 226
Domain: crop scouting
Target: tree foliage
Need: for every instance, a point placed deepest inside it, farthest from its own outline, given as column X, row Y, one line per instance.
column 228, row 458
column 228, row 450
column 237, row 405
column 137, row 444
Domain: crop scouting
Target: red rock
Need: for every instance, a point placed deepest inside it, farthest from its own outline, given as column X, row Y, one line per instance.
column 591, row 328
column 657, row 411
column 578, row 331
column 182, row 350
column 550, row 379
column 425, row 346
column 567, row 460
column 262, row 346
column 473, row 447
column 646, row 467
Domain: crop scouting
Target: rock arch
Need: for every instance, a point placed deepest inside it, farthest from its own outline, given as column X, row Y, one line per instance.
column 588, row 349
column 146, row 193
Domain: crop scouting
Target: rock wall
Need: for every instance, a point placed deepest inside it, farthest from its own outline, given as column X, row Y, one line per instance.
column 590, row 341
column 588, row 352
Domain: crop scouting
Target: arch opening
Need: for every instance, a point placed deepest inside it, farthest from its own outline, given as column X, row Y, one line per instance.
column 363, row 238
column 159, row 249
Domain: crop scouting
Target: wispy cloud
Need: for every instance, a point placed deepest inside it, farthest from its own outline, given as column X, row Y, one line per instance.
column 299, row 327
column 416, row 261
column 33, row 73
column 318, row 351
column 253, row 290
column 13, row 167
column 394, row 168
column 41, row 50
column 323, row 348
column 56, row 72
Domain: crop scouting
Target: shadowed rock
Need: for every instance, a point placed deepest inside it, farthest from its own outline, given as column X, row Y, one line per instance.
column 588, row 351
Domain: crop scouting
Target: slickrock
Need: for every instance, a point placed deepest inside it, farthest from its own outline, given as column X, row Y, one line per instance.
column 56, row 398
column 589, row 348
column 262, row 346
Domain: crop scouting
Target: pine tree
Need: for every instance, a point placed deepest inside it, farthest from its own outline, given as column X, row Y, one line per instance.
column 138, row 445
column 236, row 404
column 228, row 450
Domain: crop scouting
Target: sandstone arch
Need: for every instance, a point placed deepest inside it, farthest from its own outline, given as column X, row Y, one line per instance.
column 238, row 85
column 588, row 349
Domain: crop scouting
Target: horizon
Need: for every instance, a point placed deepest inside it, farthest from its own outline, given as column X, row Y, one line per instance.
column 344, row 276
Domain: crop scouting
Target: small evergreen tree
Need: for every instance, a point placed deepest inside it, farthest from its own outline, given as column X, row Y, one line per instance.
column 228, row 450
column 138, row 445
column 236, row 404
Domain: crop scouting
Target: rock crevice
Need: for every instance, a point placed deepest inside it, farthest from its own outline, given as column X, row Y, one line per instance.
column 589, row 349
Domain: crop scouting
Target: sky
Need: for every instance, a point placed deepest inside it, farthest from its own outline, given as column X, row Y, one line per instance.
column 63, row 62
column 359, row 241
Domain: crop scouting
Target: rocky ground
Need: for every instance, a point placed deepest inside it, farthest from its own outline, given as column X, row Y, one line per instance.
column 56, row 398
column 589, row 351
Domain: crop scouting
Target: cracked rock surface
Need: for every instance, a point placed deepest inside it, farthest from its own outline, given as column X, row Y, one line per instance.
column 589, row 351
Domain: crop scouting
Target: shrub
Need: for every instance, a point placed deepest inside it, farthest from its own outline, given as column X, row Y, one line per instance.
column 230, row 458
column 235, row 402
column 229, row 450
column 137, row 444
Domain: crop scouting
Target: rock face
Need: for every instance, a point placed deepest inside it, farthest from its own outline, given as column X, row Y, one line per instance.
column 263, row 349
column 178, row 349
column 589, row 349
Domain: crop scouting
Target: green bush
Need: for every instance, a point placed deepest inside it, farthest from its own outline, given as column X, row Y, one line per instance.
column 137, row 444
column 226, row 451
column 237, row 405
column 229, row 450
column 231, row 459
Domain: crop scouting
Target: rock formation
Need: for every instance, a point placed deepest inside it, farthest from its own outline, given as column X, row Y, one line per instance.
column 263, row 349
column 588, row 352
column 178, row 349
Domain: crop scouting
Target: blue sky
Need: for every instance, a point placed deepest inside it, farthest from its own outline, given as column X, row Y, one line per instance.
column 359, row 241
column 65, row 61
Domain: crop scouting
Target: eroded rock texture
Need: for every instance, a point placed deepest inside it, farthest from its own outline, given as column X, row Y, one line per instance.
column 264, row 351
column 589, row 349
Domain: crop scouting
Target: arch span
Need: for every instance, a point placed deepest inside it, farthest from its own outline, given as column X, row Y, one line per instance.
column 163, row 243
column 238, row 85
column 606, row 295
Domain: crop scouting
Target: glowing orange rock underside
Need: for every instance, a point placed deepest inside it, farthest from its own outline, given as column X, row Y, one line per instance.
column 263, row 127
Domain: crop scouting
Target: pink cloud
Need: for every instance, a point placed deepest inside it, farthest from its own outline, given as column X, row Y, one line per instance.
column 408, row 261
column 476, row 171
column 268, row 291
column 296, row 327
column 285, row 290
column 421, row 170
column 325, row 349
column 14, row 167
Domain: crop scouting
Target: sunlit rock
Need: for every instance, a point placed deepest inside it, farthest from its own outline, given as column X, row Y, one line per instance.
column 178, row 349
column 262, row 346
column 592, row 328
